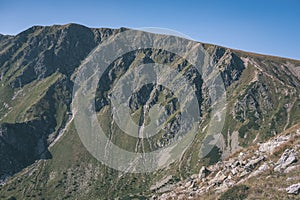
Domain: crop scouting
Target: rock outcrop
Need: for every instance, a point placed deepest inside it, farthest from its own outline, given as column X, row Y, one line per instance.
column 237, row 170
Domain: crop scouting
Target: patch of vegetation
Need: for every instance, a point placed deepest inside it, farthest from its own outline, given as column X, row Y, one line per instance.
column 238, row 192
column 213, row 156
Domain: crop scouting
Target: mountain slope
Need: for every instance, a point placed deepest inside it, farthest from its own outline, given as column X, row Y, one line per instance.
column 38, row 67
column 36, row 89
column 262, row 171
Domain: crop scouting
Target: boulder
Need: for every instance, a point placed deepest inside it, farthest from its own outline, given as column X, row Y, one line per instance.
column 234, row 171
column 260, row 170
column 293, row 189
column 253, row 163
column 288, row 157
column 244, row 173
column 236, row 163
column 204, row 172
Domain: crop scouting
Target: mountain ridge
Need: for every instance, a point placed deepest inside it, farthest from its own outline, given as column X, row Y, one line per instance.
column 38, row 67
column 125, row 28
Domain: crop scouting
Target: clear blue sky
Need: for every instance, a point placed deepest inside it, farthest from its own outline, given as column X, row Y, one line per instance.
column 264, row 26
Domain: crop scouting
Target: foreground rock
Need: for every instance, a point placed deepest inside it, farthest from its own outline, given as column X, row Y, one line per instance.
column 203, row 172
column 293, row 189
column 247, row 164
column 288, row 157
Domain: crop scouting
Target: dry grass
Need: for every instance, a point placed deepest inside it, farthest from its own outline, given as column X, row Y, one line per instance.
column 280, row 149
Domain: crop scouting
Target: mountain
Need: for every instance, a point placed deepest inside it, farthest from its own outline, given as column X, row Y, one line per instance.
column 42, row 156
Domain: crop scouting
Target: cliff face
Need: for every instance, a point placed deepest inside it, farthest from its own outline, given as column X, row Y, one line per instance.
column 37, row 69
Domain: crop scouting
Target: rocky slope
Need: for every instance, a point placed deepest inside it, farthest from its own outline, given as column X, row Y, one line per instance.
column 41, row 155
column 266, row 170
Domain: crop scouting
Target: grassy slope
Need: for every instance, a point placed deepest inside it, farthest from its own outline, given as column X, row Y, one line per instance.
column 29, row 95
column 74, row 172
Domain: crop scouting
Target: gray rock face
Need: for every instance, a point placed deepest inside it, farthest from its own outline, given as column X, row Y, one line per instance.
column 293, row 189
column 258, row 97
column 231, row 65
column 287, row 158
